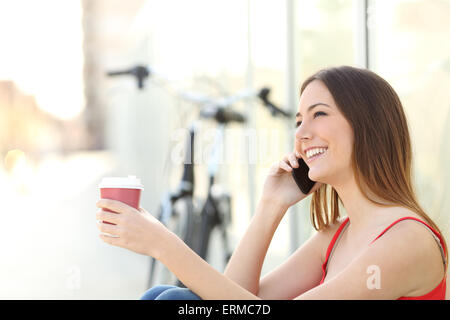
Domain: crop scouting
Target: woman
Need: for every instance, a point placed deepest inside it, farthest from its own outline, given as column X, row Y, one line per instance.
column 353, row 135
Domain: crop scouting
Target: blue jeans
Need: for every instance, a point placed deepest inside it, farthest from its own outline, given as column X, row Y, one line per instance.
column 166, row 292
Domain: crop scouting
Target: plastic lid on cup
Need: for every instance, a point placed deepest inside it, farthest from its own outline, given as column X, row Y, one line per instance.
column 130, row 182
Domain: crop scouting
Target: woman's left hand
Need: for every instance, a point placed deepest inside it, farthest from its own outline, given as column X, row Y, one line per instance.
column 132, row 229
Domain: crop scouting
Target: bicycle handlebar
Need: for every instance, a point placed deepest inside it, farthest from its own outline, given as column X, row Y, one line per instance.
column 141, row 73
column 222, row 115
column 264, row 96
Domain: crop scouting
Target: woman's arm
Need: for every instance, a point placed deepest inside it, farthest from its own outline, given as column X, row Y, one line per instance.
column 279, row 193
column 247, row 260
column 198, row 275
column 300, row 272
column 139, row 231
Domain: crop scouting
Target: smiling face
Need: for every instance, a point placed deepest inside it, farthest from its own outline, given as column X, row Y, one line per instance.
column 321, row 124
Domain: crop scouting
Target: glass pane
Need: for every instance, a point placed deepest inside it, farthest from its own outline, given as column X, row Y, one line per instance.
column 412, row 52
column 321, row 29
column 268, row 57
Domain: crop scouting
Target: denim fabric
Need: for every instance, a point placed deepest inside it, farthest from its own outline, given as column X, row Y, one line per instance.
column 166, row 292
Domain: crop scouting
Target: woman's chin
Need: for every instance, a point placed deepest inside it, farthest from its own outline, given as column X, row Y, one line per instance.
column 316, row 176
column 313, row 174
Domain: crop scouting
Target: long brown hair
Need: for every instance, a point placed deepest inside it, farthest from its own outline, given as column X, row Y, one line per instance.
column 382, row 153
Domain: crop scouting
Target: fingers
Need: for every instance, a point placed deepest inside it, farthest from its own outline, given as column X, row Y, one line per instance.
column 110, row 230
column 108, row 216
column 283, row 165
column 297, row 148
column 289, row 162
column 293, row 160
column 114, row 205
column 115, row 241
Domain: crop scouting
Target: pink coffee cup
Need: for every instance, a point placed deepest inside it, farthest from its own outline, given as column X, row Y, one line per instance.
column 124, row 189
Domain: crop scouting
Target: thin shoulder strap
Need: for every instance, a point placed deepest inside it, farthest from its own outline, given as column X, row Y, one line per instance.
column 435, row 234
column 334, row 240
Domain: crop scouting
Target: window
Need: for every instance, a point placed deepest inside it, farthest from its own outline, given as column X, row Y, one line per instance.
column 412, row 52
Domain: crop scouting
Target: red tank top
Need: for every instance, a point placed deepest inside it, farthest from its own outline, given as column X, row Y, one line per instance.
column 438, row 293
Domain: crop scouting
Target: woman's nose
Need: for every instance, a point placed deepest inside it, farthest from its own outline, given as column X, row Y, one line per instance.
column 302, row 132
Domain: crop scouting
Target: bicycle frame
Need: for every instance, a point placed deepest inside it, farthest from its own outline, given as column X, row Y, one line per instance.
column 210, row 214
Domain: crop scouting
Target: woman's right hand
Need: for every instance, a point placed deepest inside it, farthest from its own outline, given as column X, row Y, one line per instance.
column 280, row 187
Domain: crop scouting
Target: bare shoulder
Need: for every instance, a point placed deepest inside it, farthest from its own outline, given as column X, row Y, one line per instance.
column 412, row 235
column 418, row 234
column 415, row 245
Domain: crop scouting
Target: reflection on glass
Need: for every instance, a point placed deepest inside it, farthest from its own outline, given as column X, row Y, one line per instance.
column 325, row 32
column 325, row 36
column 413, row 53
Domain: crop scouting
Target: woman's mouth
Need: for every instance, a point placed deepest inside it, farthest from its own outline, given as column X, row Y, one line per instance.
column 317, row 155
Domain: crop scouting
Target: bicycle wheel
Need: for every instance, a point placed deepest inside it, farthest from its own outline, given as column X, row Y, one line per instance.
column 223, row 204
column 207, row 224
column 158, row 273
column 213, row 228
column 184, row 219
column 180, row 222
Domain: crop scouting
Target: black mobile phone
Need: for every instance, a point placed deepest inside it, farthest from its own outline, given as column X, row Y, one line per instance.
column 300, row 175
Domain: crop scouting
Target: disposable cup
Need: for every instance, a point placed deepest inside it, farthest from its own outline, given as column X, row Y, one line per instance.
column 125, row 189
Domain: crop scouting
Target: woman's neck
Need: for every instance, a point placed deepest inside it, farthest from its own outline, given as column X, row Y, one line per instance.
column 360, row 210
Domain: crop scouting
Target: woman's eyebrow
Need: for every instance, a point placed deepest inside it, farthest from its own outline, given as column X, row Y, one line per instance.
column 312, row 107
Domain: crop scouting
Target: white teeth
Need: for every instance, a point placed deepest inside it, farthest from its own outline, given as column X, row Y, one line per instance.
column 315, row 151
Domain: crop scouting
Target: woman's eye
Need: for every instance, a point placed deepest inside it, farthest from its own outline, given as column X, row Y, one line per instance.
column 319, row 112
column 298, row 123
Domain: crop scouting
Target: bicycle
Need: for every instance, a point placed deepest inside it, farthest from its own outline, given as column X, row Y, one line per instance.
column 197, row 225
column 178, row 211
